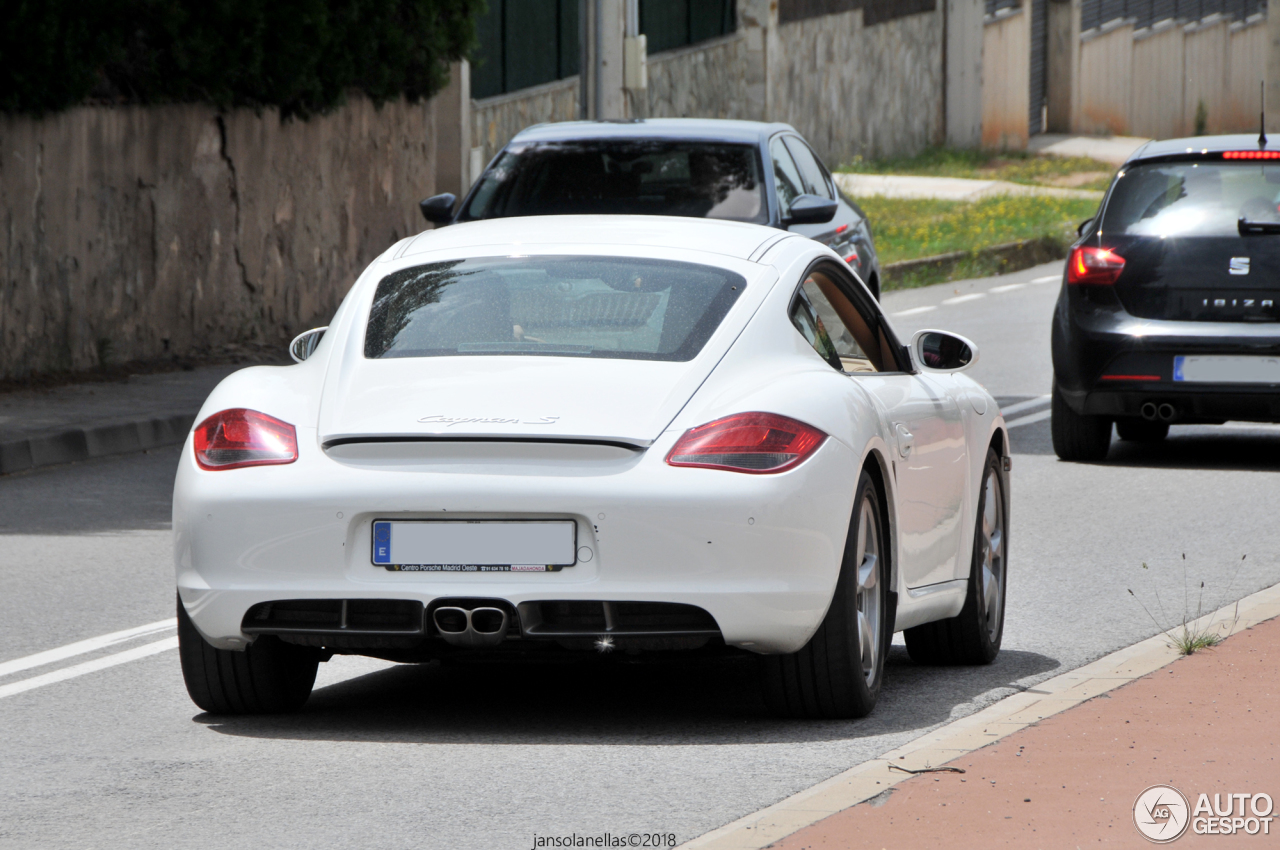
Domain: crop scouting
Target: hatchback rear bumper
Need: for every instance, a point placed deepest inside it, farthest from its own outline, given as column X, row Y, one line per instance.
column 1109, row 363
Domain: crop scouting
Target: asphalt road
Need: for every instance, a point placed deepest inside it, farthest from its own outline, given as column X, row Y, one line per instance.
column 485, row 756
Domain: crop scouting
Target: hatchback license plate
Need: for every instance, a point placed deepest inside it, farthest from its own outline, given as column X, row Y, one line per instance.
column 1226, row 369
column 477, row 546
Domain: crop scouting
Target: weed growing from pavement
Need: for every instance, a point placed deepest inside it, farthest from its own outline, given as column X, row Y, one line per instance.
column 1190, row 636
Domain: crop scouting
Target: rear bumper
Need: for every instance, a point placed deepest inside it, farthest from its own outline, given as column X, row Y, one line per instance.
column 759, row 553
column 1109, row 363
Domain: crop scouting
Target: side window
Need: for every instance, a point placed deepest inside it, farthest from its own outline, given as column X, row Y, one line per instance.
column 838, row 330
column 815, row 176
column 785, row 176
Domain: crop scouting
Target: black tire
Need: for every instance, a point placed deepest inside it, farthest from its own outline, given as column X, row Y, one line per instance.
column 270, row 677
column 827, row 677
column 1077, row 436
column 1141, row 431
column 971, row 637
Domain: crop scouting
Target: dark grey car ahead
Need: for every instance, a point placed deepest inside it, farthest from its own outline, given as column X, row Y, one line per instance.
column 735, row 170
column 1168, row 311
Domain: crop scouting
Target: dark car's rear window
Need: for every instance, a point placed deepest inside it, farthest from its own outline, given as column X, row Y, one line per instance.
column 612, row 307
column 1192, row 198
column 699, row 179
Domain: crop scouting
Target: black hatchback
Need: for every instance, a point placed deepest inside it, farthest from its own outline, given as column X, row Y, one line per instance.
column 704, row 168
column 1168, row 310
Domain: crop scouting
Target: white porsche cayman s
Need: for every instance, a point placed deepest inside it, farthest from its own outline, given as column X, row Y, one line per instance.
column 554, row 434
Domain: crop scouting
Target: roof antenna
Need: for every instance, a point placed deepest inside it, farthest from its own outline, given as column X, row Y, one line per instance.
column 1262, row 121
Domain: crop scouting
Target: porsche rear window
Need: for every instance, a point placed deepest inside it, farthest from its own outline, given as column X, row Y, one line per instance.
column 609, row 307
column 1192, row 198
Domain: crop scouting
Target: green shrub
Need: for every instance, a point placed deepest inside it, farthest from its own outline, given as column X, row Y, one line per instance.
column 299, row 55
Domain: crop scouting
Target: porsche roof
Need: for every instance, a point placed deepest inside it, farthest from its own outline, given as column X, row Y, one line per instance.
column 730, row 238
column 692, row 129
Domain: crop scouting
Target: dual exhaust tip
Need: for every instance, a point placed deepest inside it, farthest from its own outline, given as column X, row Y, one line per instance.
column 1164, row 411
column 474, row 627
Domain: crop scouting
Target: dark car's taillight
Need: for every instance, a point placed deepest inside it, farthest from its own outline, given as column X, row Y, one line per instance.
column 747, row 442
column 1094, row 266
column 239, row 437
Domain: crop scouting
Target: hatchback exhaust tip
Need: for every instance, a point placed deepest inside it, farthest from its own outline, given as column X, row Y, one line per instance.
column 477, row 627
column 1150, row 411
column 1167, row 412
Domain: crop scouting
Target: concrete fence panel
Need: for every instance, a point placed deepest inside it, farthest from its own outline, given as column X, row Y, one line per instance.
column 1106, row 62
column 1006, row 96
column 1156, row 95
column 1206, row 75
column 1247, row 46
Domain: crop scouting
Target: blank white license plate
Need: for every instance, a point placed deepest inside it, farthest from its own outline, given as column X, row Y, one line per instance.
column 1227, row 369
column 478, row 546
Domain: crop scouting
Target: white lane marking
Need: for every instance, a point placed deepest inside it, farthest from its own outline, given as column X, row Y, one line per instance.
column 914, row 310
column 960, row 299
column 1049, row 279
column 1008, row 287
column 49, row 656
column 89, row 667
column 1024, row 405
column 1027, row 420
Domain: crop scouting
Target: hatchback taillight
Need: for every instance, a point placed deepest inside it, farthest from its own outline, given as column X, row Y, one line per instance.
column 747, row 442
column 239, row 437
column 1094, row 266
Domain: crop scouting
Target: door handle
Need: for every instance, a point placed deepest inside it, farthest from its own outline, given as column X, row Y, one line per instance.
column 906, row 440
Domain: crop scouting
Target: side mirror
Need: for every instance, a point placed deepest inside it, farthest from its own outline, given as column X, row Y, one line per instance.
column 304, row 344
column 811, row 209
column 939, row 351
column 438, row 209
column 1084, row 225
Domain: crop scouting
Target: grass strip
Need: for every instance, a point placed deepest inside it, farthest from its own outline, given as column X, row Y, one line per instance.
column 909, row 229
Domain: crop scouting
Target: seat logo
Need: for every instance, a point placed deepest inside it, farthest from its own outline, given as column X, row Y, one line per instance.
column 1239, row 265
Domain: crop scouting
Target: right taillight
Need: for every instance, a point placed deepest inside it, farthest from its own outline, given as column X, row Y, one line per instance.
column 747, row 442
column 1094, row 266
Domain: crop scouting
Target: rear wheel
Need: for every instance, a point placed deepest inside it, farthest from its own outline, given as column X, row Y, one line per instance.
column 270, row 677
column 974, row 635
column 1077, row 436
column 1141, row 431
column 839, row 671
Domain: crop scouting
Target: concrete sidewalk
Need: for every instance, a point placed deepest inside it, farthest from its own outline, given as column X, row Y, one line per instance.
column 948, row 188
column 82, row 421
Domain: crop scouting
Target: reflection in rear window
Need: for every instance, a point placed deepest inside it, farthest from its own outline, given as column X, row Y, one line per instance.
column 1192, row 199
column 698, row 179
column 609, row 307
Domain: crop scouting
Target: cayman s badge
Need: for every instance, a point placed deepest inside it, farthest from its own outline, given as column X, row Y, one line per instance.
column 1239, row 265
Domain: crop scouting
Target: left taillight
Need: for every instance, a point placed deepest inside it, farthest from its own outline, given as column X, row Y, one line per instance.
column 238, row 437
column 1089, row 266
column 747, row 442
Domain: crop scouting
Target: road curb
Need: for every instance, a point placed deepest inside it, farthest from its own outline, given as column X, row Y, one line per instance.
column 963, row 736
column 79, row 444
column 1014, row 257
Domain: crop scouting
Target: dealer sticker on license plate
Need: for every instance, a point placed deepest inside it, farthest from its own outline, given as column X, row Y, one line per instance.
column 474, row 546
column 1226, row 369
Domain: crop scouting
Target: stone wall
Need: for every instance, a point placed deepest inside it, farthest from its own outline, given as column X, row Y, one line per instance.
column 495, row 120
column 707, row 80
column 135, row 233
column 863, row 91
